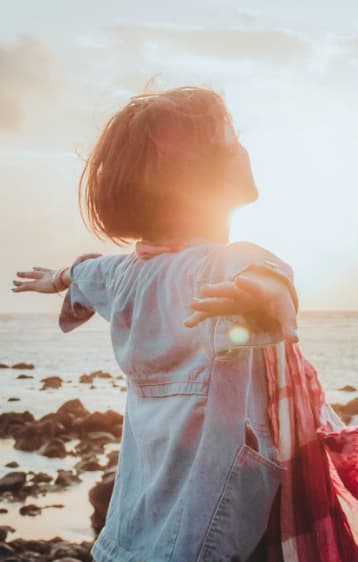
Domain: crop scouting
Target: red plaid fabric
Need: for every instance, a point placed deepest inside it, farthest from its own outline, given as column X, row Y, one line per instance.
column 315, row 516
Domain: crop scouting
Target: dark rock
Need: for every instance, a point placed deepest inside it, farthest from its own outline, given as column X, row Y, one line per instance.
column 13, row 399
column 33, row 436
column 346, row 411
column 55, row 505
column 54, row 449
column 25, row 376
column 88, row 464
column 12, row 422
column 86, row 448
column 351, row 409
column 41, row 477
column 46, row 551
column 37, row 546
column 109, row 421
column 23, row 366
column 102, row 437
column 99, row 497
column 4, row 530
column 67, row 559
column 112, row 459
column 51, row 382
column 12, row 481
column 28, row 556
column 66, row 550
column 66, row 478
column 3, row 510
column 87, row 379
column 74, row 407
column 338, row 409
column 60, row 422
column 5, row 551
column 12, row 464
column 348, row 388
column 4, row 366
column 101, row 374
column 30, row 509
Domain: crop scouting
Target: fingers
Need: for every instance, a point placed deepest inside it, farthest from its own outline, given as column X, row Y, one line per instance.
column 252, row 286
column 217, row 306
column 245, row 287
column 37, row 273
column 195, row 319
column 20, row 287
column 245, row 300
column 226, row 289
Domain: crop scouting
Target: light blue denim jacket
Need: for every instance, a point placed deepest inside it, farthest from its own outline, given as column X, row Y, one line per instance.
column 198, row 469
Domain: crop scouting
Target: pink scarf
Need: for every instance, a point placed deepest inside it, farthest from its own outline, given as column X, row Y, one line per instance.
column 317, row 512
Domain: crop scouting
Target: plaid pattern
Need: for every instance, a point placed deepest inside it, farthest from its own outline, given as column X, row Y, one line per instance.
column 315, row 516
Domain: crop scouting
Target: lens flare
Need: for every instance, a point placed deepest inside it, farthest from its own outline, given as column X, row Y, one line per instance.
column 239, row 335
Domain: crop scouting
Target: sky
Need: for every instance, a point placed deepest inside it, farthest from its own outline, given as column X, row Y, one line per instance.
column 288, row 72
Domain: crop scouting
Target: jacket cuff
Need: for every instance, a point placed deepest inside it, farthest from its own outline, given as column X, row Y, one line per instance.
column 73, row 315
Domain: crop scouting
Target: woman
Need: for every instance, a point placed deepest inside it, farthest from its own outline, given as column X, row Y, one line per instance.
column 204, row 450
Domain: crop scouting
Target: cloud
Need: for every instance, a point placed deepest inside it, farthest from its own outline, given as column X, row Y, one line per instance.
column 26, row 69
column 218, row 42
column 246, row 18
column 128, row 55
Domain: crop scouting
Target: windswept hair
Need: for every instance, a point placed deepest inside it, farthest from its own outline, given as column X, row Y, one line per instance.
column 142, row 178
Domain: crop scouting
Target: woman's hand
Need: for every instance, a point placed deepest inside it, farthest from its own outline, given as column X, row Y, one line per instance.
column 42, row 281
column 42, row 278
column 264, row 300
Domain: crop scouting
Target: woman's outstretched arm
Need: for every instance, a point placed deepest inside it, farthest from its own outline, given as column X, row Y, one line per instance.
column 89, row 281
column 247, row 279
column 45, row 280
column 266, row 299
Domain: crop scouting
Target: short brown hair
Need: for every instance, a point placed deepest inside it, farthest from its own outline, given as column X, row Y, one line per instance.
column 143, row 176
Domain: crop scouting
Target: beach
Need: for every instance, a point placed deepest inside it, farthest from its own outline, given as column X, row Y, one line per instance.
column 72, row 383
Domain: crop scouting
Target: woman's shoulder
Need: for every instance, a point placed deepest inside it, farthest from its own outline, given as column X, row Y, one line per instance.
column 218, row 262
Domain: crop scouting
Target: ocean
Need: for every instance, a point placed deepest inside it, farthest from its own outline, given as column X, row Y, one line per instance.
column 328, row 339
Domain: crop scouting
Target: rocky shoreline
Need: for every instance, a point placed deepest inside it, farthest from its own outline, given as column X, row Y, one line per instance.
column 49, row 436
column 54, row 550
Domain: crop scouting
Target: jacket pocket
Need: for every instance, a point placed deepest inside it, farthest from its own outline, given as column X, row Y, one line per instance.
column 242, row 512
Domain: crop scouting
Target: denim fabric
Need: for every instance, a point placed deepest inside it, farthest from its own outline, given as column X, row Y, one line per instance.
column 198, row 469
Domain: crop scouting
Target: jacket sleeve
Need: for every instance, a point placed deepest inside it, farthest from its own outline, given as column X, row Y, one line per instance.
column 91, row 290
column 232, row 260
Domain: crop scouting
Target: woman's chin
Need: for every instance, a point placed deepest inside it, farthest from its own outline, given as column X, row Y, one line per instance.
column 248, row 195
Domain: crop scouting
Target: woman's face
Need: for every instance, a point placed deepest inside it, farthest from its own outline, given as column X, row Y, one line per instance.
column 240, row 177
column 239, row 181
